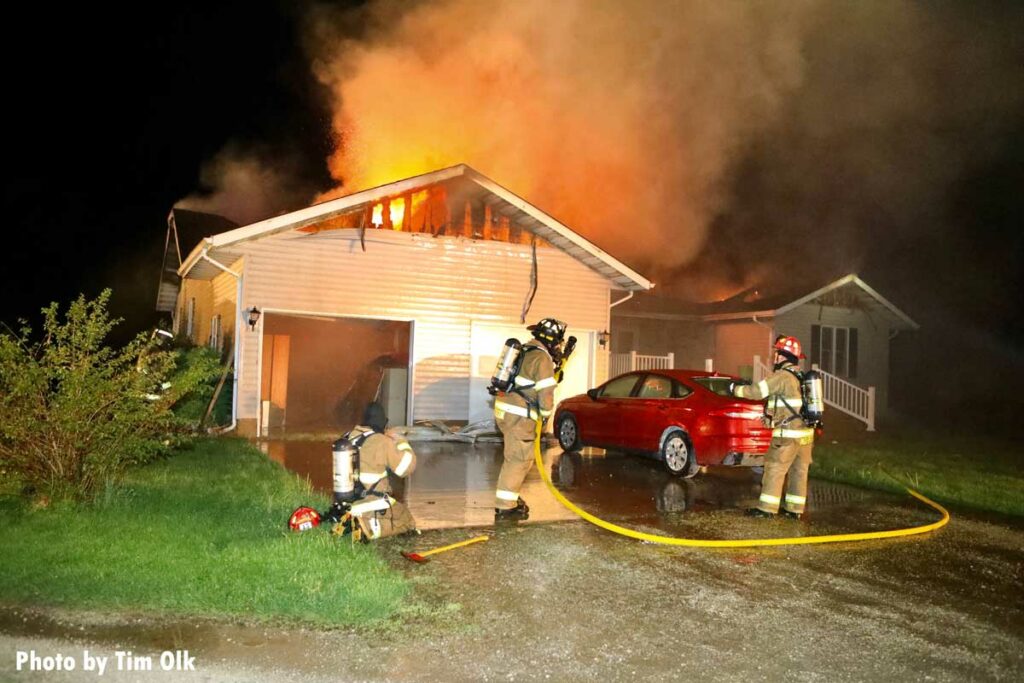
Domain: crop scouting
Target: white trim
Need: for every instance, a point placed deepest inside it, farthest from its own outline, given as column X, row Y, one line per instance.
column 335, row 207
column 409, row 400
column 848, row 279
column 562, row 230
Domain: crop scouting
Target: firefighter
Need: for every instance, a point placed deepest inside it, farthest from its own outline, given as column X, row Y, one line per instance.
column 792, row 438
column 516, row 414
column 381, row 454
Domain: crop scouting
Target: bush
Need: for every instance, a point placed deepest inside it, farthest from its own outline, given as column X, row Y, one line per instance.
column 203, row 363
column 77, row 413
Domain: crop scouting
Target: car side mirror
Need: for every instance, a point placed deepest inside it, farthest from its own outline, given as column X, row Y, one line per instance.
column 592, row 393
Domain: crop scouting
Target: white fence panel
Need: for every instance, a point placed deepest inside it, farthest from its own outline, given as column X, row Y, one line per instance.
column 627, row 362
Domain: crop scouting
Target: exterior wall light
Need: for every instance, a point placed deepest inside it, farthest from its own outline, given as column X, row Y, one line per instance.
column 602, row 338
column 254, row 317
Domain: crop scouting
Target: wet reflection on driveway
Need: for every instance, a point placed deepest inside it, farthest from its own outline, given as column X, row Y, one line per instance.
column 453, row 486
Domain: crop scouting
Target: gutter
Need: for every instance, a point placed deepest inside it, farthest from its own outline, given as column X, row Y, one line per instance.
column 236, row 341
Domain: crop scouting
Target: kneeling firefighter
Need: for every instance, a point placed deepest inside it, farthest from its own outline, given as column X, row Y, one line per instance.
column 792, row 431
column 524, row 387
column 363, row 460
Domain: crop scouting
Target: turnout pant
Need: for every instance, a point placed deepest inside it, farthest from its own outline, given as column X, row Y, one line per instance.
column 786, row 456
column 380, row 517
column 519, row 433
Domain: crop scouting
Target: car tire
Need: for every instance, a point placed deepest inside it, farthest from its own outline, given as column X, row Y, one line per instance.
column 677, row 454
column 568, row 434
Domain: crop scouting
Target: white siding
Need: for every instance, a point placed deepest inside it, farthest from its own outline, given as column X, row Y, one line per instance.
column 442, row 284
column 872, row 341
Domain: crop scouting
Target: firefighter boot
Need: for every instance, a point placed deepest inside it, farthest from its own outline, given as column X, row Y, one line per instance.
column 789, row 514
column 521, row 512
column 759, row 513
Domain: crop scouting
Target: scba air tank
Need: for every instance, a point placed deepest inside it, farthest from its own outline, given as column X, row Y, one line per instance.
column 346, row 464
column 814, row 397
column 508, row 367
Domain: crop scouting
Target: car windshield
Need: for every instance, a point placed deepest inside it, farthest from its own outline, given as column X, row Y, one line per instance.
column 718, row 385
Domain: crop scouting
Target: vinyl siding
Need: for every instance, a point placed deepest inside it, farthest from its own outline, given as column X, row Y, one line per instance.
column 872, row 340
column 441, row 284
column 736, row 344
column 691, row 342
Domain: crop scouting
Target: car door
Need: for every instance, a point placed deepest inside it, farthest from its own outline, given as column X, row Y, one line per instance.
column 650, row 412
column 602, row 423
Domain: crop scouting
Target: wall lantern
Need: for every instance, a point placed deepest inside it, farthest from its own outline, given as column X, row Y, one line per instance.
column 602, row 338
column 254, row 317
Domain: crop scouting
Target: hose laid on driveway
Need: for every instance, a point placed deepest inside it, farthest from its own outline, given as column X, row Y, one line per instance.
column 742, row 542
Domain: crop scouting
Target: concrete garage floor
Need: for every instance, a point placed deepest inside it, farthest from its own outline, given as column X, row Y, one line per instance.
column 565, row 601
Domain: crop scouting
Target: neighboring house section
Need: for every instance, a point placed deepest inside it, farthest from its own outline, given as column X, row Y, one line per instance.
column 404, row 293
column 845, row 327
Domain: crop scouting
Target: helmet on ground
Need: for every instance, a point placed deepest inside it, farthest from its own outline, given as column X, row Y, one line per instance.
column 304, row 519
column 789, row 347
column 549, row 331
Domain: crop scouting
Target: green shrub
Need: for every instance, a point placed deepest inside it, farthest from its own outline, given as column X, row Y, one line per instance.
column 76, row 412
column 205, row 365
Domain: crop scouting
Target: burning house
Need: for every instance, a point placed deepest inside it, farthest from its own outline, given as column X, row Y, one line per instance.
column 404, row 292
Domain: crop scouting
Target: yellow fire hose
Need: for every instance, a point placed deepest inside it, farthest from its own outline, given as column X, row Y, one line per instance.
column 738, row 543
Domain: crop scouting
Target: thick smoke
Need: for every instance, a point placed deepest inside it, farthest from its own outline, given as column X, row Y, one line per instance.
column 621, row 119
column 249, row 183
column 711, row 144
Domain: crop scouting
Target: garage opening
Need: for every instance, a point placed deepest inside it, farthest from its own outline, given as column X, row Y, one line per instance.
column 317, row 373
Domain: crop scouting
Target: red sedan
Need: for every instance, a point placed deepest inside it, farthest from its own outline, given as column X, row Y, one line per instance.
column 685, row 418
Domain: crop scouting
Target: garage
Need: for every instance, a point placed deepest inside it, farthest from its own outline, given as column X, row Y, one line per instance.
column 318, row 372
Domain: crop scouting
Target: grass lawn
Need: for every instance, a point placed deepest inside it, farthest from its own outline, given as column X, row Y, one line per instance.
column 201, row 533
column 973, row 473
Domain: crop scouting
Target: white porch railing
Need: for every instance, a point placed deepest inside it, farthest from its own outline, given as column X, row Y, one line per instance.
column 627, row 362
column 844, row 396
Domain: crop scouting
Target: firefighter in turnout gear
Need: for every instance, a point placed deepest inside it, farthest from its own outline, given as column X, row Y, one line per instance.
column 516, row 414
column 792, row 438
column 377, row 514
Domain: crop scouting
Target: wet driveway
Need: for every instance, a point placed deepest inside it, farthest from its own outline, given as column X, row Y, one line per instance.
column 453, row 486
column 570, row 602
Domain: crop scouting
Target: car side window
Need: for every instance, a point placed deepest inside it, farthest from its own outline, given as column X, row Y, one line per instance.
column 620, row 387
column 655, row 386
column 681, row 390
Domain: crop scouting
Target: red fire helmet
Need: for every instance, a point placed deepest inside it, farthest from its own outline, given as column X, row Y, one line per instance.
column 304, row 519
column 789, row 345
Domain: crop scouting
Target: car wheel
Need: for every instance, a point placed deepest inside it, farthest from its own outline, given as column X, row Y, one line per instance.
column 677, row 454
column 568, row 433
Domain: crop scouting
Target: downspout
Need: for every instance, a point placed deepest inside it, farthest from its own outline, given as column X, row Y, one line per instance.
column 236, row 341
column 622, row 300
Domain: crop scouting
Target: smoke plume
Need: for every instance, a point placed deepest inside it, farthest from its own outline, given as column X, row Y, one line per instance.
column 621, row 119
column 249, row 183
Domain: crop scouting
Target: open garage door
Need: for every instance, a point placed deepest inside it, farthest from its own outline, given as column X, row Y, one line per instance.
column 487, row 342
column 317, row 373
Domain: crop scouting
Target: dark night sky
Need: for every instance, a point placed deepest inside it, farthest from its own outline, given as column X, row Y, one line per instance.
column 111, row 114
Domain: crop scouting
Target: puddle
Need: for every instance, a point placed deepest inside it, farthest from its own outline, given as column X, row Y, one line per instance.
column 453, row 486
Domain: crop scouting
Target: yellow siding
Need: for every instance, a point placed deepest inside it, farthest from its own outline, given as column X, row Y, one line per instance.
column 736, row 344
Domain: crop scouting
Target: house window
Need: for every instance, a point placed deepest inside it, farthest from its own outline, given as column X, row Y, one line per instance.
column 834, row 349
column 215, row 334
column 190, row 318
